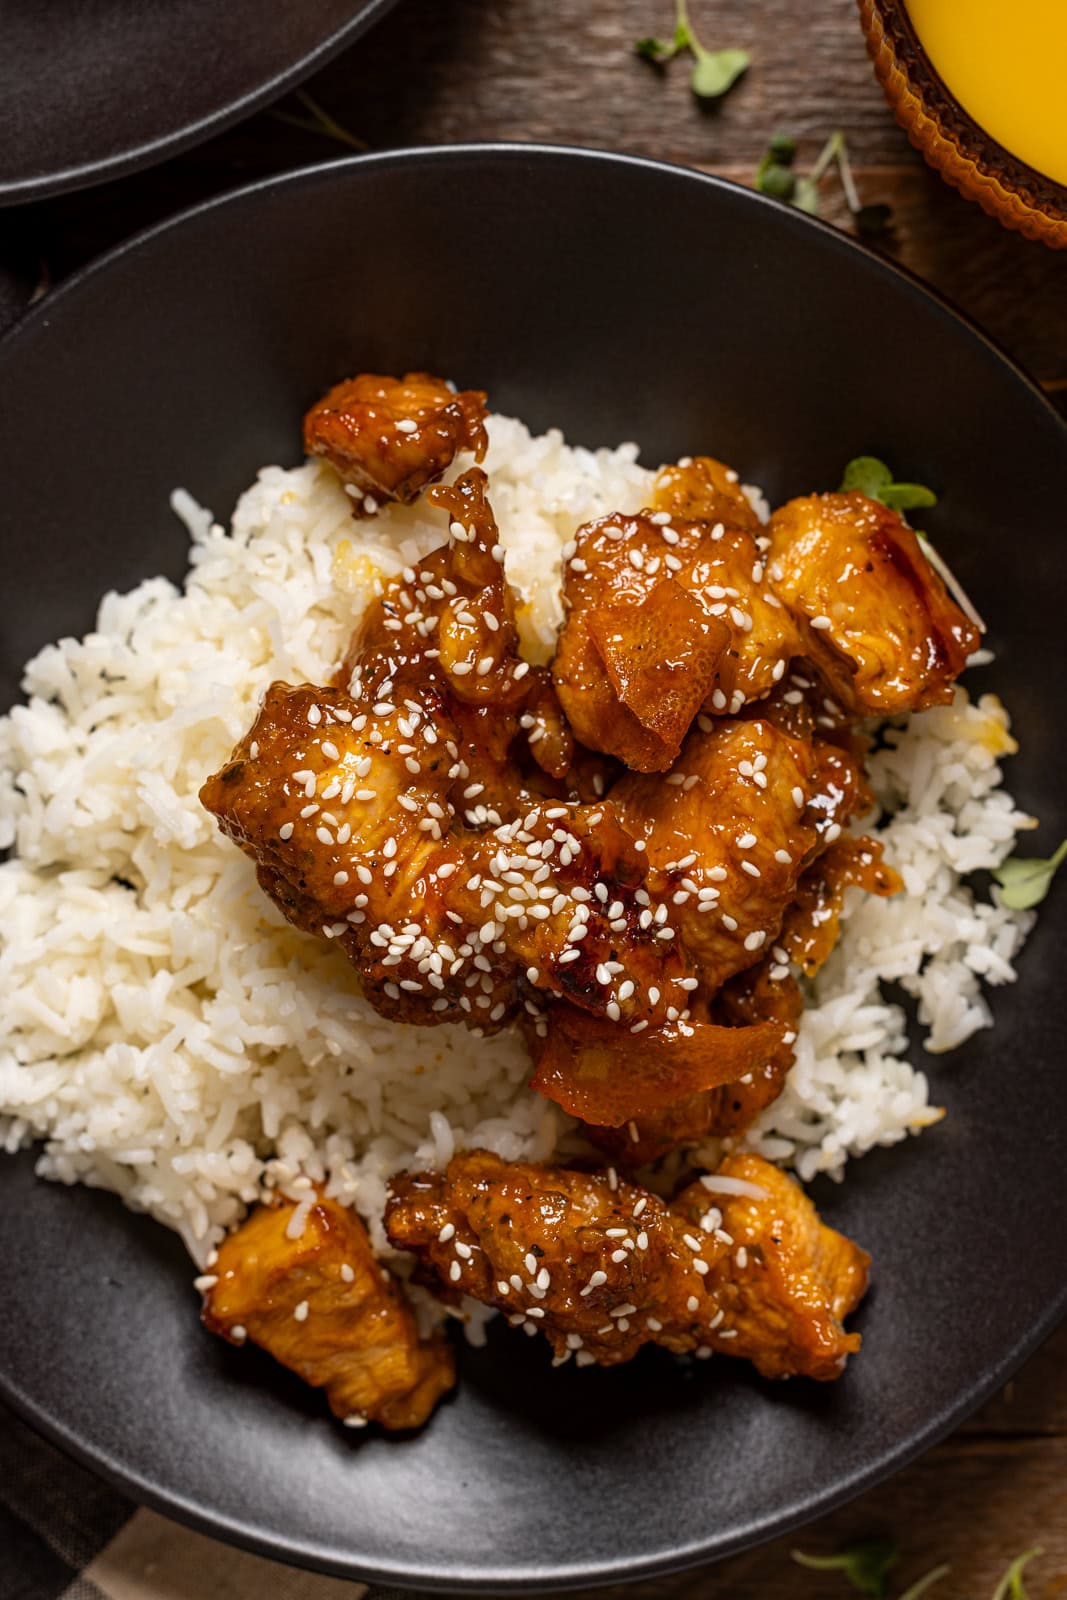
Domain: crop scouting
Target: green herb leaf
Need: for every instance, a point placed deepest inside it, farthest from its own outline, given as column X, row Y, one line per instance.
column 927, row 1581
column 908, row 496
column 865, row 1564
column 1010, row 1586
column 874, row 479
column 716, row 71
column 776, row 180
column 867, row 474
column 873, row 220
column 655, row 50
column 782, row 149
column 1024, row 883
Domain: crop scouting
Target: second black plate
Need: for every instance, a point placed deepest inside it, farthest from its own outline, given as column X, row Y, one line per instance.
column 93, row 90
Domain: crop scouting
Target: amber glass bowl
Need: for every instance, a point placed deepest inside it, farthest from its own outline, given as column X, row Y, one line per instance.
column 964, row 154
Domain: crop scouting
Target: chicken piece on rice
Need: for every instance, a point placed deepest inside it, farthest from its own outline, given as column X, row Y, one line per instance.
column 441, row 641
column 350, row 843
column 874, row 615
column 389, row 437
column 765, row 994
column 325, row 1308
column 707, row 631
column 731, row 829
column 699, row 487
column 739, row 1263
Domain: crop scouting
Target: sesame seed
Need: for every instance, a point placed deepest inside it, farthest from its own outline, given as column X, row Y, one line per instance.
column 746, row 841
column 751, row 868
column 692, row 1304
column 821, row 622
column 455, row 1271
column 446, row 1232
column 348, row 1273
column 300, row 1312
column 618, row 1255
column 798, row 797
column 286, row 830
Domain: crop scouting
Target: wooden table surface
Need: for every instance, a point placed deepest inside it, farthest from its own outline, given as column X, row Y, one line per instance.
column 439, row 71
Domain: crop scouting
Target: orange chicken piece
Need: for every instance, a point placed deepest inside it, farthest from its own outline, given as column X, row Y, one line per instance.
column 618, row 566
column 874, row 615
column 705, row 489
column 751, row 999
column 324, row 1307
column 389, row 437
column 738, row 1264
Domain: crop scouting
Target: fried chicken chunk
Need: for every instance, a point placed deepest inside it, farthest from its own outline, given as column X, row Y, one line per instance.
column 607, row 1080
column 763, row 995
column 712, row 575
column 701, row 487
column 734, row 825
column 389, row 437
column 323, row 1307
column 812, row 923
column 738, row 1263
column 874, row 615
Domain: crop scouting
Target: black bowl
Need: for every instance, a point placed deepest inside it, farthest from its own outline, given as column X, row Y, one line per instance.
column 97, row 89
column 620, row 299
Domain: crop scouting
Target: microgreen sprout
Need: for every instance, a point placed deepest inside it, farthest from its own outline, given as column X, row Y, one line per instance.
column 1011, row 1586
column 713, row 71
column 865, row 1564
column 874, row 479
column 318, row 120
column 1024, row 883
column 927, row 1581
column 776, row 176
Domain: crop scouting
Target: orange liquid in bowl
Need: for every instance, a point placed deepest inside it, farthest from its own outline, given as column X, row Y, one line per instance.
column 1005, row 61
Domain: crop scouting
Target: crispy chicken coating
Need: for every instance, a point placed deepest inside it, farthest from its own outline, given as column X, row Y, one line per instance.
column 608, row 1079
column 737, row 821
column 812, row 923
column 739, row 1263
column 761, row 995
column 389, row 437
column 701, row 488
column 326, row 1309
column 616, row 569
column 874, row 615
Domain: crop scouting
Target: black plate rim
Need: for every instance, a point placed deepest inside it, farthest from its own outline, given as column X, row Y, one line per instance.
column 84, row 174
column 818, row 1502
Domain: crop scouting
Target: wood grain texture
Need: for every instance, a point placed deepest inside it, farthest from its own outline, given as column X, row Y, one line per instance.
column 563, row 71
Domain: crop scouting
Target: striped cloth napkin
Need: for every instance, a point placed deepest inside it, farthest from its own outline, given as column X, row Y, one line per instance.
column 66, row 1535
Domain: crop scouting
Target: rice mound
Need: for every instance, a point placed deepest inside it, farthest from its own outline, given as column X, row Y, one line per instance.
column 168, row 1036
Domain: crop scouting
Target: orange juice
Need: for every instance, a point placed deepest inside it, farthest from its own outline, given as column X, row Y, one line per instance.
column 1005, row 61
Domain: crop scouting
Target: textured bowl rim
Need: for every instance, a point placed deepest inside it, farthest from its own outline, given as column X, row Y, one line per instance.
column 818, row 1503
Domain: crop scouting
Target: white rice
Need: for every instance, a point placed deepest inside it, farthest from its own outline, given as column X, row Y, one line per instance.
column 166, row 1035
